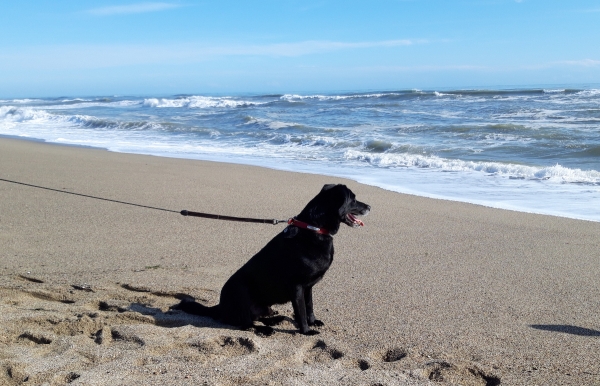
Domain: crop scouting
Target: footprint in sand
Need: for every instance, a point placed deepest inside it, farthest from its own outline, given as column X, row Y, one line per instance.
column 30, row 279
column 321, row 353
column 35, row 337
column 51, row 297
column 442, row 371
column 126, row 336
column 394, row 355
column 16, row 373
column 226, row 345
column 363, row 364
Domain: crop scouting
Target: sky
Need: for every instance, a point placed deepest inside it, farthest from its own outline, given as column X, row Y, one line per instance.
column 85, row 48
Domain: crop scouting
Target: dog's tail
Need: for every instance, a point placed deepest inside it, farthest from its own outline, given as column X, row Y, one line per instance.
column 190, row 306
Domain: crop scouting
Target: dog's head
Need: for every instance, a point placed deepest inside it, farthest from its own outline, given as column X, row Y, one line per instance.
column 335, row 204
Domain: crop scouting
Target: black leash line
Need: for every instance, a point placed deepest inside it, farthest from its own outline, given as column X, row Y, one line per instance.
column 183, row 212
column 230, row 218
column 88, row 196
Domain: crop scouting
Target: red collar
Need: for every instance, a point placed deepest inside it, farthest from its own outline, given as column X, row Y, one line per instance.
column 300, row 224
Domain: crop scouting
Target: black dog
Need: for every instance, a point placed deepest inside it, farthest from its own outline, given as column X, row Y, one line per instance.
column 288, row 267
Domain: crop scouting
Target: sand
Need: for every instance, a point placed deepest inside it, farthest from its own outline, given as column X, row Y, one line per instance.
column 429, row 291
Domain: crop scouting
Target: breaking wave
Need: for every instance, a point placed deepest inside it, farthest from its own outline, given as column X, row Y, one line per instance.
column 556, row 173
column 198, row 102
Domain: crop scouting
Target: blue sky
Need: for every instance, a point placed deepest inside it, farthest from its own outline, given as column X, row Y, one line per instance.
column 82, row 48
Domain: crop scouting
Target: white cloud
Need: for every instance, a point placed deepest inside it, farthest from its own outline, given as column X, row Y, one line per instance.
column 102, row 56
column 582, row 63
column 306, row 47
column 427, row 68
column 131, row 8
column 486, row 68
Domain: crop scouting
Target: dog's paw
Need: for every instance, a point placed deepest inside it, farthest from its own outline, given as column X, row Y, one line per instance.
column 184, row 301
column 316, row 323
column 272, row 321
column 264, row 331
column 310, row 332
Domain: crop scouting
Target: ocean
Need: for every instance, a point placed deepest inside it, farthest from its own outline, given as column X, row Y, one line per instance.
column 530, row 150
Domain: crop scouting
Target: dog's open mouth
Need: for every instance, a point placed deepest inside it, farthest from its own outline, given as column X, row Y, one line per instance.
column 353, row 221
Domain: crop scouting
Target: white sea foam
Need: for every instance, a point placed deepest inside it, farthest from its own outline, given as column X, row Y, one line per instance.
column 90, row 104
column 296, row 97
column 556, row 173
column 21, row 114
column 38, row 121
column 270, row 124
column 17, row 101
column 441, row 94
column 34, row 115
column 589, row 93
column 75, row 100
column 507, row 98
column 197, row 102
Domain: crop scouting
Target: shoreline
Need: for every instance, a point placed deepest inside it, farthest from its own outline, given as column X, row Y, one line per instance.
column 40, row 140
column 428, row 290
column 293, row 168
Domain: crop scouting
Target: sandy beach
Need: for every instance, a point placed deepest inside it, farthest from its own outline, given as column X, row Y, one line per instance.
column 428, row 291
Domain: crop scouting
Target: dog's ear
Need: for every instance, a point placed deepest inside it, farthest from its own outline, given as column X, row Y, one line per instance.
column 290, row 232
column 328, row 186
column 348, row 198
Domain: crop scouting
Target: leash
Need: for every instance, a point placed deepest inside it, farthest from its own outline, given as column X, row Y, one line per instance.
column 230, row 218
column 183, row 212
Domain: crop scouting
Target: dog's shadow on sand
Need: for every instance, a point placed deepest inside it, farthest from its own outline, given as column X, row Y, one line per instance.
column 567, row 329
column 176, row 318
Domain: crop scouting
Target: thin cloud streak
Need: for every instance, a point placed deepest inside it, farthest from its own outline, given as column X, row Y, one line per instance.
column 102, row 56
column 583, row 63
column 425, row 68
column 307, row 47
column 131, row 9
column 479, row 68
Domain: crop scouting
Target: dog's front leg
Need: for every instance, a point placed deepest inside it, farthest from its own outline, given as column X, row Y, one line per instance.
column 299, row 305
column 310, row 315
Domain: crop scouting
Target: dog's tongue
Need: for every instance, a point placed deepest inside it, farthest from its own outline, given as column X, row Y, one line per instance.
column 355, row 221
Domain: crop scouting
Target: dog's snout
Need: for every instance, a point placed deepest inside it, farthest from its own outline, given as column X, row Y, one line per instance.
column 366, row 209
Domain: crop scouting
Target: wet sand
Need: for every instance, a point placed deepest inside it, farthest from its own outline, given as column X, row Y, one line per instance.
column 428, row 291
